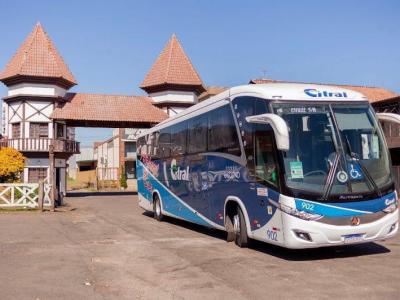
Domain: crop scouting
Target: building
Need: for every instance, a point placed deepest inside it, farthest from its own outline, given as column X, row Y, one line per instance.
column 82, row 162
column 172, row 82
column 38, row 79
column 106, row 160
column 392, row 131
column 39, row 114
column 117, row 154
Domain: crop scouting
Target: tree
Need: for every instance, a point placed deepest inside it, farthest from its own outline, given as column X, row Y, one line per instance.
column 122, row 179
column 11, row 165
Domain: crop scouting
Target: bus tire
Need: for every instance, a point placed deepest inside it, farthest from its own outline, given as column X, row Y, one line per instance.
column 230, row 233
column 157, row 208
column 239, row 223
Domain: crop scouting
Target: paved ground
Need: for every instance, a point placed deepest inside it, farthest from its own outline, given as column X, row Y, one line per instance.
column 108, row 249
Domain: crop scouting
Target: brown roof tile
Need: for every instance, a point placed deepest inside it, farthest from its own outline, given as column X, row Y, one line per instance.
column 172, row 67
column 374, row 94
column 211, row 91
column 109, row 108
column 38, row 57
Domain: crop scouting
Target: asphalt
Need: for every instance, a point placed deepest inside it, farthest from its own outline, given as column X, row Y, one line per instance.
column 105, row 247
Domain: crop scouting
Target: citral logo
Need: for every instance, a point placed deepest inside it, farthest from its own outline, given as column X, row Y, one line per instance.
column 321, row 94
column 177, row 173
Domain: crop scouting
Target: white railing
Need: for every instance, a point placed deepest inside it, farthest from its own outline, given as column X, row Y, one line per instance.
column 23, row 195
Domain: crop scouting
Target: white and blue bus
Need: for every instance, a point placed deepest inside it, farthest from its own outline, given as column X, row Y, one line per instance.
column 294, row 165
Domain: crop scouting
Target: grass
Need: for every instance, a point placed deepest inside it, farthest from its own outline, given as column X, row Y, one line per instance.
column 17, row 209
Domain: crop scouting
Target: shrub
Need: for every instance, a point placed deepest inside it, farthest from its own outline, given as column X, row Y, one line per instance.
column 11, row 165
column 122, row 179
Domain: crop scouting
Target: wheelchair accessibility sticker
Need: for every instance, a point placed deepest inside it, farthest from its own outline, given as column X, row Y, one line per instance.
column 355, row 172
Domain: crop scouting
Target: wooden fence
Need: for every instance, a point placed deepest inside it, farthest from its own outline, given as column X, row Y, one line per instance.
column 24, row 195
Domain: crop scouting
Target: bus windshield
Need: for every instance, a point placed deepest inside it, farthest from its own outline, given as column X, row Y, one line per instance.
column 334, row 150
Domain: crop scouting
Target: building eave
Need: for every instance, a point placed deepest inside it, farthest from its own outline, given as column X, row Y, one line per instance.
column 198, row 89
column 27, row 97
column 58, row 81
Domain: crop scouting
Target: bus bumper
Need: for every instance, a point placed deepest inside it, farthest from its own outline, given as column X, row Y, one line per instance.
column 299, row 233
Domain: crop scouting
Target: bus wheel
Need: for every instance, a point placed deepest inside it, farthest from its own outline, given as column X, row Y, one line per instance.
column 230, row 233
column 239, row 227
column 157, row 208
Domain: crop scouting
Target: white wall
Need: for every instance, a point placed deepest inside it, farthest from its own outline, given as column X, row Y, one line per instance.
column 172, row 111
column 111, row 155
column 35, row 111
column 174, row 96
column 4, row 118
column 36, row 89
column 32, row 107
column 85, row 155
column 17, row 107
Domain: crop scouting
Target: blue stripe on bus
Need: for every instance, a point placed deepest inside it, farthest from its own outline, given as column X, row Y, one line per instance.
column 171, row 203
column 345, row 209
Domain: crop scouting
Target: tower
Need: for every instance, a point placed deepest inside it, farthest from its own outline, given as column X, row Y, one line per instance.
column 37, row 79
column 172, row 82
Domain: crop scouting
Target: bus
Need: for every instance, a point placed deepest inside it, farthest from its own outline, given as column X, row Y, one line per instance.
column 295, row 165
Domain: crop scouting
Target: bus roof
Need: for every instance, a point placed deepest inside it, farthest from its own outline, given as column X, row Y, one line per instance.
column 273, row 91
column 300, row 91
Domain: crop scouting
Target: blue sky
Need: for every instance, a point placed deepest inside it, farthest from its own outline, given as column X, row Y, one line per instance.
column 110, row 45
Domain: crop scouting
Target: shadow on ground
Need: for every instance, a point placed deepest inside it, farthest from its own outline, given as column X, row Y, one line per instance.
column 90, row 194
column 288, row 254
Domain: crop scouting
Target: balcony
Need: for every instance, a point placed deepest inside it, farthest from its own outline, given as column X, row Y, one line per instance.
column 41, row 145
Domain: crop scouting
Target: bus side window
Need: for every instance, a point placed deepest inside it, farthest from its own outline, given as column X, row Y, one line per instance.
column 140, row 147
column 164, row 143
column 248, row 106
column 178, row 138
column 222, row 135
column 198, row 127
column 154, row 153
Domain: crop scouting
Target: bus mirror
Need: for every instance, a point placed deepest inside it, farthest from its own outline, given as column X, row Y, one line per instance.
column 281, row 130
column 389, row 117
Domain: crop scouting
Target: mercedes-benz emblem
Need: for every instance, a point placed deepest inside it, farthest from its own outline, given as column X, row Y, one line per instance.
column 355, row 221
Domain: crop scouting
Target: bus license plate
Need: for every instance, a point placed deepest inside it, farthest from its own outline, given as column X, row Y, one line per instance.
column 352, row 238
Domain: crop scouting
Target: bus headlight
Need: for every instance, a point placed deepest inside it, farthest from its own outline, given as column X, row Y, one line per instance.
column 295, row 212
column 391, row 208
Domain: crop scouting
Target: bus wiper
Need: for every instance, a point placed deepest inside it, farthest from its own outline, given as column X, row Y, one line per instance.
column 330, row 178
column 355, row 157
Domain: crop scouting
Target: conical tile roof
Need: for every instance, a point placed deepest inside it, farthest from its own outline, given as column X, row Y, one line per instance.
column 172, row 67
column 37, row 57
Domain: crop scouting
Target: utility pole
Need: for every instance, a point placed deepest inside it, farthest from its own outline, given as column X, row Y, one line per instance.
column 51, row 177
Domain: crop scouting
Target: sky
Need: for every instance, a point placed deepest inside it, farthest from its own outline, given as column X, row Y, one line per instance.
column 110, row 45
